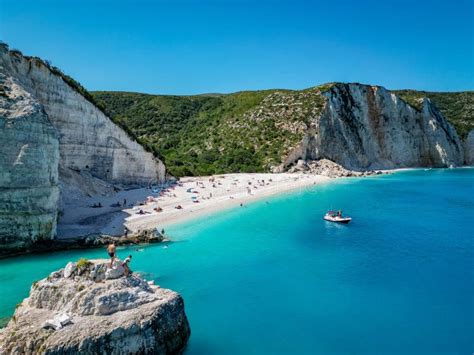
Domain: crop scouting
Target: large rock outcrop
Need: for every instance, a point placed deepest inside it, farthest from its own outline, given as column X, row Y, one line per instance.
column 52, row 136
column 368, row 127
column 29, row 158
column 95, row 315
column 88, row 140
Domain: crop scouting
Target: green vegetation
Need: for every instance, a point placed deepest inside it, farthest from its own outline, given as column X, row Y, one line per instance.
column 457, row 107
column 243, row 132
column 247, row 131
column 83, row 263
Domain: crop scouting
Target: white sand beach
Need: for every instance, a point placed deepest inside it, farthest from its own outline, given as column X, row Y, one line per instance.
column 190, row 198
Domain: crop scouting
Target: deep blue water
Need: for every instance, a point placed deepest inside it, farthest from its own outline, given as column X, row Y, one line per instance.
column 273, row 277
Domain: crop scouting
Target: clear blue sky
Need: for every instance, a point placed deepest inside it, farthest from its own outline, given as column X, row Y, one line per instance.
column 189, row 47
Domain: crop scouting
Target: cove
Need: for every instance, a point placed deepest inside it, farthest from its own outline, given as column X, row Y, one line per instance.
column 273, row 277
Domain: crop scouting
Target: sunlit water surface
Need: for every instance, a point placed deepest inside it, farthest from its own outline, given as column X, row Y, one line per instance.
column 273, row 277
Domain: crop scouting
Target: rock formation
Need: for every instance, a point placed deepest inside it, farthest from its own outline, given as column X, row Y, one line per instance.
column 78, row 310
column 367, row 127
column 52, row 136
column 88, row 140
column 328, row 168
column 469, row 148
column 29, row 158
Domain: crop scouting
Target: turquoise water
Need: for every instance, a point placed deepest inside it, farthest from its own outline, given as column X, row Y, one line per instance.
column 273, row 277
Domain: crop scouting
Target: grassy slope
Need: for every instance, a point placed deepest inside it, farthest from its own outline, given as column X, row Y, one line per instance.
column 207, row 134
column 241, row 132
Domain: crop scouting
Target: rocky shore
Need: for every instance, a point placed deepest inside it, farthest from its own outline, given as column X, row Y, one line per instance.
column 328, row 168
column 86, row 242
column 88, row 308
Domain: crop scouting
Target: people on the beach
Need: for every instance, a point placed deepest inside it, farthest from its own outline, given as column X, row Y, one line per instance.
column 111, row 250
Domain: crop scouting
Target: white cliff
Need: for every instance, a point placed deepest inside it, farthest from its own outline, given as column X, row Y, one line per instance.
column 367, row 127
column 29, row 158
column 79, row 310
column 469, row 148
column 88, row 140
column 52, row 136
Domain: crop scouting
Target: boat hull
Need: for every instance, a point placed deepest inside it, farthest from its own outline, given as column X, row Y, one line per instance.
column 338, row 220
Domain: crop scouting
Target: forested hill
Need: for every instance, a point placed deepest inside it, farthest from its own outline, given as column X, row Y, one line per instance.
column 248, row 131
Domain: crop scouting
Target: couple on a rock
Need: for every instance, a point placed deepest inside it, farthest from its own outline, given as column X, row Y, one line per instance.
column 111, row 249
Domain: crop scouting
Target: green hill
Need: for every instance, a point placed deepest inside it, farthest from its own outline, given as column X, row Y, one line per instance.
column 247, row 131
column 207, row 134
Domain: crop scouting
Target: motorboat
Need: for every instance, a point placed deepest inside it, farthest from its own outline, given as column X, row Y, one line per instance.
column 337, row 217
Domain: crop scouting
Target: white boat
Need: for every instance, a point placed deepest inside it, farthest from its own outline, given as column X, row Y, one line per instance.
column 334, row 216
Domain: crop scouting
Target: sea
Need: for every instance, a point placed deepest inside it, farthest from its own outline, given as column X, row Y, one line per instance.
column 272, row 277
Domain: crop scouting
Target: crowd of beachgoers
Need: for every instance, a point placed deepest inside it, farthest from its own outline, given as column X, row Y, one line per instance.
column 157, row 206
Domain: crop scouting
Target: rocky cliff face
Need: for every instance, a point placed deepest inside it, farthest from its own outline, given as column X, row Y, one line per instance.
column 88, row 140
column 29, row 158
column 366, row 127
column 53, row 136
column 86, row 309
column 469, row 148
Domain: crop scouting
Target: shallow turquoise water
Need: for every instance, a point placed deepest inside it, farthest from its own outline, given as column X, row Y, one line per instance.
column 273, row 277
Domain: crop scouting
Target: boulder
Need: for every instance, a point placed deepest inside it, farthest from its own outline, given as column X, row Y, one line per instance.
column 88, row 314
column 69, row 269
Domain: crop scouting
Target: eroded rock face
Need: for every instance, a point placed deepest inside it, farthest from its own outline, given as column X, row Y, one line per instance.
column 121, row 316
column 29, row 158
column 54, row 140
column 469, row 148
column 366, row 127
column 88, row 140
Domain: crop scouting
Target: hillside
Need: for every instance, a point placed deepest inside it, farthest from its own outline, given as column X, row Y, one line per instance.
column 199, row 135
column 247, row 131
column 457, row 107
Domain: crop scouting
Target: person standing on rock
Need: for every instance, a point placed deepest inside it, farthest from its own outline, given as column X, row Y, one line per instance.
column 111, row 251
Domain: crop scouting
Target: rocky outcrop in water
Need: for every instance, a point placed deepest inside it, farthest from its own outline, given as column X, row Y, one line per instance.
column 367, row 127
column 86, row 309
column 54, row 138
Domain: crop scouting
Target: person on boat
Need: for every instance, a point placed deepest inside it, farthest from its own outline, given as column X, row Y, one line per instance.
column 111, row 250
column 339, row 213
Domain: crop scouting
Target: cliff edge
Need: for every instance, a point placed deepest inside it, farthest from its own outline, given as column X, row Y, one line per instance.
column 56, row 144
column 368, row 127
column 85, row 308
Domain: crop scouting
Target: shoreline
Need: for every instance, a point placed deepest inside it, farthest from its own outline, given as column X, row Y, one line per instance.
column 229, row 191
column 78, row 216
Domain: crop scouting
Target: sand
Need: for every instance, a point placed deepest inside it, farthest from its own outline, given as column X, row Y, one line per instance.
column 213, row 193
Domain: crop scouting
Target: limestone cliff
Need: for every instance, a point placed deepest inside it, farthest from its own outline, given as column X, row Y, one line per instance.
column 368, row 127
column 88, row 309
column 88, row 140
column 469, row 148
column 29, row 158
column 52, row 136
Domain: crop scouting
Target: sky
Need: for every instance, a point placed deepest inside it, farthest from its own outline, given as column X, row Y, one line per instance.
column 204, row 46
